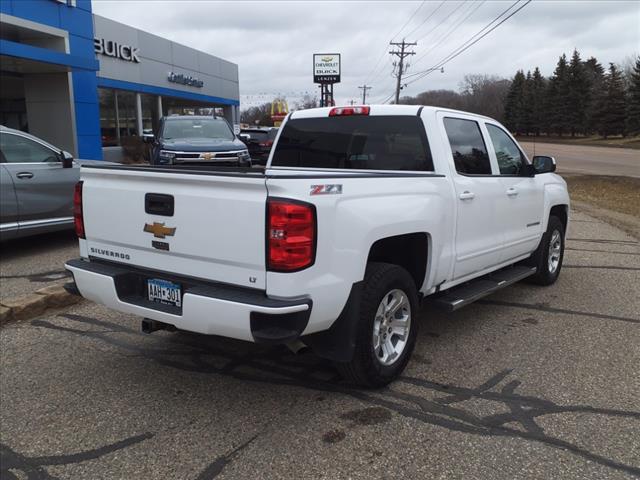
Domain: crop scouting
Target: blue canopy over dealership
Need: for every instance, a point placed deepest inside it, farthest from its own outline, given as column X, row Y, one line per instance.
column 85, row 83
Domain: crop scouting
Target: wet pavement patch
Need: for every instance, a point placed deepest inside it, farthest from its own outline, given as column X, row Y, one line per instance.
column 368, row 416
column 334, row 436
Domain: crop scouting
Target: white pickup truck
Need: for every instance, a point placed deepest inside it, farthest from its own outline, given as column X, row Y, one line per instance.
column 360, row 213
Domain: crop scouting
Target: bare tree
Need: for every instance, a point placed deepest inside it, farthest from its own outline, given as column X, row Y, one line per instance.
column 307, row 102
column 260, row 115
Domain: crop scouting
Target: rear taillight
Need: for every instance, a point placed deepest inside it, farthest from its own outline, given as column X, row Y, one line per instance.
column 268, row 143
column 345, row 111
column 291, row 235
column 78, row 219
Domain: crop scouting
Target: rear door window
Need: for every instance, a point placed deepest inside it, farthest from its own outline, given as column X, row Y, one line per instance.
column 467, row 146
column 354, row 142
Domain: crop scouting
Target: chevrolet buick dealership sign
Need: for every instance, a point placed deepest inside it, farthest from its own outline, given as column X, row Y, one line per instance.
column 326, row 68
column 114, row 49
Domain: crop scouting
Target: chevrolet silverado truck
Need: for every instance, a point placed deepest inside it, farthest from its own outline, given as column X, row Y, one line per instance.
column 360, row 214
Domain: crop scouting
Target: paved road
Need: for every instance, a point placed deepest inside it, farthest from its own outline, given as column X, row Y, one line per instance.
column 28, row 264
column 530, row 383
column 590, row 160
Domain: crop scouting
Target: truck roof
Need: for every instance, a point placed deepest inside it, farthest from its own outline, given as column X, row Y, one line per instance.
column 380, row 110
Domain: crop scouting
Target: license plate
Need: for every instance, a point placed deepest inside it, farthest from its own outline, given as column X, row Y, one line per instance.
column 163, row 291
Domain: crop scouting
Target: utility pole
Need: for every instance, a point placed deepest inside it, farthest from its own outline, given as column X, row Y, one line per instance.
column 402, row 53
column 364, row 89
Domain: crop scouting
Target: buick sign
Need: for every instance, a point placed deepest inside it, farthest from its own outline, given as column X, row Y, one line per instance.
column 114, row 49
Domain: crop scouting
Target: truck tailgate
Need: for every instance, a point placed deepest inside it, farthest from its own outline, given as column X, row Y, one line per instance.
column 216, row 231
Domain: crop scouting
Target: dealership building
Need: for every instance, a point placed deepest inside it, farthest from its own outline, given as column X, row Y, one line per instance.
column 85, row 83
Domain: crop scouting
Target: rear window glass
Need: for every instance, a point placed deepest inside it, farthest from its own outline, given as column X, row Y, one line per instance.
column 354, row 142
column 256, row 135
column 467, row 146
column 197, row 128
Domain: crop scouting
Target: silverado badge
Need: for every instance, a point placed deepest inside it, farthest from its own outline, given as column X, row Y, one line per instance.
column 159, row 230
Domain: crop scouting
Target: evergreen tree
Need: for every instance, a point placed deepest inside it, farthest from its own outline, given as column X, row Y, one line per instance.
column 527, row 104
column 557, row 98
column 612, row 111
column 536, row 95
column 513, row 109
column 578, row 95
column 595, row 79
column 633, row 100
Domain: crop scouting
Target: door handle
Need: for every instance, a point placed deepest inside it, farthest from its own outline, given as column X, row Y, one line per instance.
column 512, row 192
column 467, row 195
column 24, row 175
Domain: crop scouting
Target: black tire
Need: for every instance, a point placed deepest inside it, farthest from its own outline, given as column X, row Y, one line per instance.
column 545, row 274
column 365, row 369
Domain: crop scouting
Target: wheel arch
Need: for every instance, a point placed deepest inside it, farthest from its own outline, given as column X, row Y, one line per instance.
column 562, row 212
column 409, row 251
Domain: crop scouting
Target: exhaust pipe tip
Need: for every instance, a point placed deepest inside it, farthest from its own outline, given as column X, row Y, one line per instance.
column 296, row 346
column 150, row 326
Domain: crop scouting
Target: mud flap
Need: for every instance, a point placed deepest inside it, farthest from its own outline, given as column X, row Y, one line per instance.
column 338, row 342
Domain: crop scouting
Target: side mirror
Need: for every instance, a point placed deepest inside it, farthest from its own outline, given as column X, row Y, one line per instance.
column 544, row 164
column 67, row 159
column 148, row 138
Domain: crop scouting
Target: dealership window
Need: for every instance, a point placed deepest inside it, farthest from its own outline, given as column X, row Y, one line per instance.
column 108, row 118
column 127, row 114
column 118, row 115
column 149, row 112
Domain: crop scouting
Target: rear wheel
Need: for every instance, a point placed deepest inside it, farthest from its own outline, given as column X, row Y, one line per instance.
column 387, row 330
column 548, row 257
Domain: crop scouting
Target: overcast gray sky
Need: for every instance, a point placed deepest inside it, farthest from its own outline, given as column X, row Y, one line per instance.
column 273, row 42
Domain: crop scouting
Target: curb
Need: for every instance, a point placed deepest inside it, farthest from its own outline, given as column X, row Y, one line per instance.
column 34, row 304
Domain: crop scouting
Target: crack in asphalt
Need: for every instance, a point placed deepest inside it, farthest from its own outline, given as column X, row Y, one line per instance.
column 604, row 240
column 602, row 267
column 32, row 467
column 545, row 308
column 40, row 277
column 279, row 367
column 215, row 468
column 601, row 251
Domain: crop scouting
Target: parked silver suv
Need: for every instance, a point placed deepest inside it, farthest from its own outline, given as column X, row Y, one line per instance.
column 36, row 185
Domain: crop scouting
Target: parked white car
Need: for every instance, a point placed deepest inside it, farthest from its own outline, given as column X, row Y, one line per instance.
column 361, row 213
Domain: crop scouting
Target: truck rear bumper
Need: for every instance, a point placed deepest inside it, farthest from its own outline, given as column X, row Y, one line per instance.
column 208, row 308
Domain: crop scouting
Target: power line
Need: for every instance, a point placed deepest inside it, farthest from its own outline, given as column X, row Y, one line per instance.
column 409, row 20
column 469, row 43
column 434, row 28
column 385, row 50
column 448, row 33
column 443, row 20
column 426, row 19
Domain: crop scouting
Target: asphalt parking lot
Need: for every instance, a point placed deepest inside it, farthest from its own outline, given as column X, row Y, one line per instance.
column 28, row 264
column 532, row 382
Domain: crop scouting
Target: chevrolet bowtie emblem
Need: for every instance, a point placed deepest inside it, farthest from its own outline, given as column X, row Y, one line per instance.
column 159, row 230
column 207, row 156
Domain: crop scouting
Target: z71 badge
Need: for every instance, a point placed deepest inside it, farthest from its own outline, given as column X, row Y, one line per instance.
column 334, row 189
